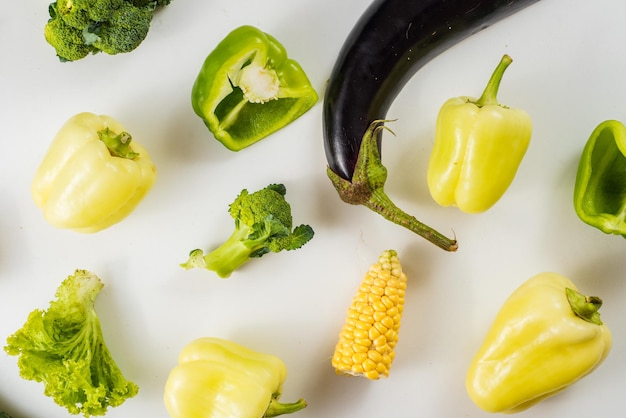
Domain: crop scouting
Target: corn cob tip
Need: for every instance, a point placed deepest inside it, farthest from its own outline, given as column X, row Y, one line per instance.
column 370, row 332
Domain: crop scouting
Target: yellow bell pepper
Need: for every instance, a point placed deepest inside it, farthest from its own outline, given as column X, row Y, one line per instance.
column 92, row 177
column 546, row 337
column 478, row 147
column 217, row 378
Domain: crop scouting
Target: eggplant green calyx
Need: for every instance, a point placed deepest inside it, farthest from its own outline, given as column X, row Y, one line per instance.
column 367, row 188
column 118, row 144
column 489, row 96
column 585, row 307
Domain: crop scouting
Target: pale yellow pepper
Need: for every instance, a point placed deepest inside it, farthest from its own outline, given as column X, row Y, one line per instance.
column 92, row 177
column 217, row 378
column 478, row 148
column 546, row 337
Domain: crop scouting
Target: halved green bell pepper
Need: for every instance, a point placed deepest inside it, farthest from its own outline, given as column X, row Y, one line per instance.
column 248, row 88
column 600, row 190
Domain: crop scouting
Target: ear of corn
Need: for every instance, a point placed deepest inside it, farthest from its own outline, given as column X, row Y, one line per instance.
column 370, row 333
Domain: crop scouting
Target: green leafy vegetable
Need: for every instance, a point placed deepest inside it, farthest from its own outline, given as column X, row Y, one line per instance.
column 263, row 224
column 77, row 28
column 64, row 348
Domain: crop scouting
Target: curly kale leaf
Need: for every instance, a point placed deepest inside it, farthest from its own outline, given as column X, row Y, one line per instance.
column 63, row 347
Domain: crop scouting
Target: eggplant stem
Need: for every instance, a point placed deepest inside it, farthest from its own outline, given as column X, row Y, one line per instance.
column 367, row 188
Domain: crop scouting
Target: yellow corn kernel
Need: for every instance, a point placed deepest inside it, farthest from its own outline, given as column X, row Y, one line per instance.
column 370, row 333
column 388, row 322
column 373, row 333
column 359, row 357
column 387, row 303
column 380, row 327
column 380, row 341
column 362, row 325
column 380, row 315
column 379, row 306
column 362, row 341
column 375, row 356
column 360, row 348
column 372, row 374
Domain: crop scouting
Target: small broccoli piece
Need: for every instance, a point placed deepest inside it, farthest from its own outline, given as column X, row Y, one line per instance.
column 64, row 348
column 77, row 28
column 263, row 224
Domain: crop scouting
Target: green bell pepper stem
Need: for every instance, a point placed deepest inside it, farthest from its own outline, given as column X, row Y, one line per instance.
column 600, row 189
column 489, row 96
column 118, row 144
column 276, row 408
column 367, row 188
column 585, row 307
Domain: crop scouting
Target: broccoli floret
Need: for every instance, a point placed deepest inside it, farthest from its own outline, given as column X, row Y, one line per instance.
column 77, row 28
column 123, row 32
column 263, row 224
column 67, row 40
column 64, row 348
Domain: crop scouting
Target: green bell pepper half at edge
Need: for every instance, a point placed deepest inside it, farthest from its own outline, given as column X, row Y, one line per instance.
column 600, row 190
column 248, row 88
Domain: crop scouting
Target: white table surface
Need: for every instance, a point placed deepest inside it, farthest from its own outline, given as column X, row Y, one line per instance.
column 568, row 73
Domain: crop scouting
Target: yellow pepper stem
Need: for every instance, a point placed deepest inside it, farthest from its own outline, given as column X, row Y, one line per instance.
column 118, row 144
column 276, row 408
column 585, row 307
column 367, row 188
column 489, row 96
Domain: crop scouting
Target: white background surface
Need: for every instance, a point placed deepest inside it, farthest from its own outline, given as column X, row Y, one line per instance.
column 568, row 73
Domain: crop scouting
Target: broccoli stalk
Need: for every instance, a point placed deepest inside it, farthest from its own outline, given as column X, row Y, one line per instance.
column 263, row 224
column 77, row 28
column 64, row 348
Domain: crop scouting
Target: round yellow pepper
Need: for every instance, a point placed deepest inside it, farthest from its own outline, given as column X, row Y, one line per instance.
column 546, row 337
column 217, row 378
column 92, row 177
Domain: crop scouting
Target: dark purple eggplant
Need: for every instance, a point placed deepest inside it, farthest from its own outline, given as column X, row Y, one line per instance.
column 390, row 42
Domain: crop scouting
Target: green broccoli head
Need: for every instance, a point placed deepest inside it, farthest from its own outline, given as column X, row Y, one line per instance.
column 263, row 224
column 64, row 348
column 77, row 28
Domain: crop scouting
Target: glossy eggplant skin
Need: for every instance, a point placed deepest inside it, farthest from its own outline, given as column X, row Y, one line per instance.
column 390, row 42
